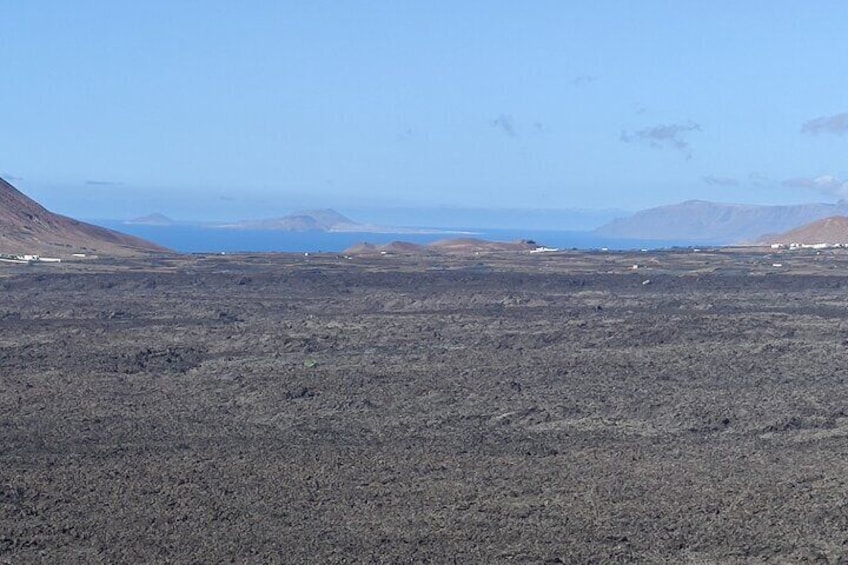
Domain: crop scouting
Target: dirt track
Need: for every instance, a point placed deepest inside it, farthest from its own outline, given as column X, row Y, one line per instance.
column 564, row 408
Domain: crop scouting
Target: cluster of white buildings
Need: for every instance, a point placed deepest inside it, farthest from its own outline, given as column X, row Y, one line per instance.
column 793, row 246
column 28, row 258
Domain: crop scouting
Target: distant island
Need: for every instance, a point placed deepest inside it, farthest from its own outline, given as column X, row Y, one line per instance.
column 325, row 220
column 694, row 222
column 151, row 220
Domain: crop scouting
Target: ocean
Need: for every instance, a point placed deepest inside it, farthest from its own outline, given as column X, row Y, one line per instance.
column 194, row 239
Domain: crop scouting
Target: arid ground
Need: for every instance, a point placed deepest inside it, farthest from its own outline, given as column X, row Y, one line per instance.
column 503, row 408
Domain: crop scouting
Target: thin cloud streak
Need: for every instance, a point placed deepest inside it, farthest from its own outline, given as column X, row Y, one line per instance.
column 836, row 124
column 506, row 124
column 670, row 135
column 583, row 79
column 830, row 185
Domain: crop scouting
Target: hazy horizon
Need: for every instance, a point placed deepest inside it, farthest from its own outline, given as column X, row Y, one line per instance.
column 214, row 110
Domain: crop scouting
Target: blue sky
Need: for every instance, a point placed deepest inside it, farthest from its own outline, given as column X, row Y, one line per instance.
column 215, row 109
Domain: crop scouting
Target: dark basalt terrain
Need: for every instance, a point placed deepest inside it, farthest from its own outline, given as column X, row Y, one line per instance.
column 557, row 408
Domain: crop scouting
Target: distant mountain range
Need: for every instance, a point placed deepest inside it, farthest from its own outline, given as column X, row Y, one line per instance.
column 699, row 221
column 421, row 220
column 695, row 222
column 27, row 228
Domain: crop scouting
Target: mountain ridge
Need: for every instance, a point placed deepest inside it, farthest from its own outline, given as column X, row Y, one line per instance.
column 702, row 221
column 27, row 227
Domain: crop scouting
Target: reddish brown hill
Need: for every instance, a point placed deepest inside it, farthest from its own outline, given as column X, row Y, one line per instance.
column 460, row 246
column 831, row 230
column 395, row 247
column 27, row 227
column 472, row 245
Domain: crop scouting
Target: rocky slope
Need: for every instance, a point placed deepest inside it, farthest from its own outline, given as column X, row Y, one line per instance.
column 833, row 230
column 26, row 227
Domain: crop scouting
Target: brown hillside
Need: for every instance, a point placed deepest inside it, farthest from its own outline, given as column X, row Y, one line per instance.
column 28, row 227
column 459, row 246
column 831, row 230
column 395, row 247
column 472, row 245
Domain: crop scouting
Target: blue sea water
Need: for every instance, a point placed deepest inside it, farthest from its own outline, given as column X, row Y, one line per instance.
column 194, row 239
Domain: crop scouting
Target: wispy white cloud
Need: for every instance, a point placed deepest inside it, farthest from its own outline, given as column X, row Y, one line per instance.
column 407, row 134
column 826, row 184
column 836, row 124
column 670, row 135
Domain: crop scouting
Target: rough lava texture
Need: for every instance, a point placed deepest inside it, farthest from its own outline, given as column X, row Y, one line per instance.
column 507, row 408
column 26, row 227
